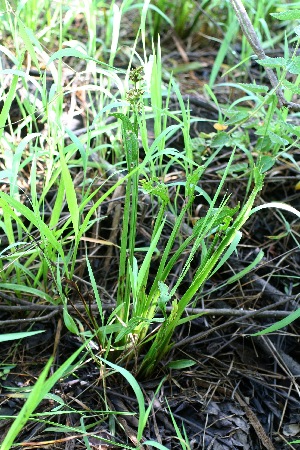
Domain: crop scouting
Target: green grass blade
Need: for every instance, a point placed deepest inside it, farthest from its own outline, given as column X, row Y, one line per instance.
column 26, row 36
column 9, row 99
column 76, row 54
column 144, row 269
column 32, row 402
column 81, row 148
column 138, row 393
column 26, row 289
column 38, row 393
column 280, row 324
column 58, row 206
column 156, row 445
column 247, row 269
column 232, row 247
column 278, row 205
column 70, row 192
column 15, row 336
column 184, row 445
column 32, row 218
column 231, row 32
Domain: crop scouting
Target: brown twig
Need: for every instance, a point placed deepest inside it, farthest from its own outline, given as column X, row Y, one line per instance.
column 260, row 432
column 251, row 36
column 268, row 312
column 244, row 315
column 31, row 320
column 226, row 312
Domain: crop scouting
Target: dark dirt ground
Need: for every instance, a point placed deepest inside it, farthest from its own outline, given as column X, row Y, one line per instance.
column 242, row 392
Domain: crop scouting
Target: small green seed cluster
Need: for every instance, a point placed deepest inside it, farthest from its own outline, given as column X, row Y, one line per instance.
column 135, row 94
column 136, row 75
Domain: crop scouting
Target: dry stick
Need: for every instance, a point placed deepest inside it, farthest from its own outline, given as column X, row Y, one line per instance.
column 260, row 432
column 251, row 36
column 244, row 315
column 267, row 311
column 31, row 320
column 272, row 292
column 24, row 305
column 287, row 363
column 283, row 359
column 207, row 311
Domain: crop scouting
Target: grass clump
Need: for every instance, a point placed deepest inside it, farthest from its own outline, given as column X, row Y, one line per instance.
column 138, row 301
column 38, row 246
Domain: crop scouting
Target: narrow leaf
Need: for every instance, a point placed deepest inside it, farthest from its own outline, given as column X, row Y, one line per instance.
column 70, row 193
column 247, row 269
column 26, row 37
column 291, row 14
column 181, row 364
column 15, row 336
column 280, row 324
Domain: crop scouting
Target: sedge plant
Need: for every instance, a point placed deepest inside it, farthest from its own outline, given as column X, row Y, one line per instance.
column 41, row 255
column 139, row 302
column 215, row 237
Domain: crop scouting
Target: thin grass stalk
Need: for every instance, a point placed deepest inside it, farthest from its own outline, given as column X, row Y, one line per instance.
column 156, row 93
column 224, row 237
column 204, row 271
column 202, row 228
column 123, row 278
column 163, row 269
column 224, row 49
column 129, row 216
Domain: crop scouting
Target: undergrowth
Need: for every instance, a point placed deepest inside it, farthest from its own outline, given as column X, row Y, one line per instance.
column 55, row 183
